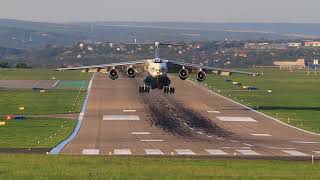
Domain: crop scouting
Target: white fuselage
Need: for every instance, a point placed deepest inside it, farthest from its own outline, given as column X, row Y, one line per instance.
column 157, row 68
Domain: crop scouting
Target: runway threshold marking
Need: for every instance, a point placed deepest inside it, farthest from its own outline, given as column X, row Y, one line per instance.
column 152, row 140
column 236, row 119
column 295, row 153
column 305, row 142
column 216, row 152
column 262, row 135
column 140, row 133
column 248, row 152
column 90, row 151
column 184, row 152
column 280, row 148
column 121, row 118
column 153, row 152
column 122, row 152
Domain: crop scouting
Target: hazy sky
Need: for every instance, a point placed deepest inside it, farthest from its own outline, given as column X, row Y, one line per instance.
column 163, row 10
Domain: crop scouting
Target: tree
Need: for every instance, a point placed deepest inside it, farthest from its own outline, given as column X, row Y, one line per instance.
column 22, row 66
column 4, row 65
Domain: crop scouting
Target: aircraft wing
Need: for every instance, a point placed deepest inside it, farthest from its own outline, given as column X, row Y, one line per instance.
column 210, row 68
column 101, row 66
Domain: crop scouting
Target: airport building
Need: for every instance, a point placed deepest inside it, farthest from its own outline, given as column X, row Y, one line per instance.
column 294, row 45
column 266, row 46
column 312, row 44
column 297, row 64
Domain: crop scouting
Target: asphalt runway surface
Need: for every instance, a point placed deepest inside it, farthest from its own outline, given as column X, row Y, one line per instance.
column 28, row 84
column 193, row 122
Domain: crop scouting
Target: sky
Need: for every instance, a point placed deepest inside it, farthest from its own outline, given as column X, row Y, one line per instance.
column 306, row 11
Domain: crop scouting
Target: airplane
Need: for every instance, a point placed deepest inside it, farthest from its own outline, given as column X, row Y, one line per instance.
column 157, row 71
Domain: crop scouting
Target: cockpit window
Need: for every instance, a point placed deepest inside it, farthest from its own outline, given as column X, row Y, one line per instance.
column 157, row 61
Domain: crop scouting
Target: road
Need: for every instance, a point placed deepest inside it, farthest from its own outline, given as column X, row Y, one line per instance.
column 120, row 121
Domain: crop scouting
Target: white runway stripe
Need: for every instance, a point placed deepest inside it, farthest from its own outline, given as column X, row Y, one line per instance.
column 122, row 152
column 121, row 118
column 246, row 144
column 280, row 148
column 295, row 153
column 236, row 119
column 216, row 152
column 184, row 152
column 152, row 140
column 90, row 151
column 305, row 142
column 215, row 112
column 140, row 133
column 318, row 152
column 263, row 135
column 248, row 152
column 153, row 152
column 129, row 110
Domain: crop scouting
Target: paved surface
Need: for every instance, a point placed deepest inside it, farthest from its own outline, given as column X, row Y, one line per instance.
column 194, row 121
column 28, row 84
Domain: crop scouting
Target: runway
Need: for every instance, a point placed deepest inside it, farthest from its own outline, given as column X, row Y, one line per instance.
column 193, row 122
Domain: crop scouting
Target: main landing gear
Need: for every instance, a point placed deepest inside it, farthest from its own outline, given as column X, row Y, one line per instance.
column 144, row 89
column 169, row 89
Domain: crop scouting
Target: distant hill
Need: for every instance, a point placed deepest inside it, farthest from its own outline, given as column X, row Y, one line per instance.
column 26, row 34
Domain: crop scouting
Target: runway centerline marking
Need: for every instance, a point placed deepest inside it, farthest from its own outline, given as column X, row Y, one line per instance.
column 236, row 119
column 121, row 118
column 234, row 141
column 262, row 135
column 216, row 152
column 129, row 110
column 122, row 152
column 90, row 151
column 248, row 152
column 185, row 152
column 295, row 153
column 305, row 142
column 152, row 140
column 215, row 112
column 246, row 144
column 153, row 152
column 140, row 133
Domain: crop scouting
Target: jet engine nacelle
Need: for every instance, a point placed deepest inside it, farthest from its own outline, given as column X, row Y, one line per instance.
column 131, row 72
column 201, row 76
column 183, row 74
column 113, row 74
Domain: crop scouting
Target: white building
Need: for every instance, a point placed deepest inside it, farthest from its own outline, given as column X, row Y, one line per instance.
column 294, row 44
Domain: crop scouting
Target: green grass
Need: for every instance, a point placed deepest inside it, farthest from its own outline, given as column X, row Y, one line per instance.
column 76, row 167
column 72, row 84
column 27, row 133
column 42, row 74
column 295, row 95
column 50, row 102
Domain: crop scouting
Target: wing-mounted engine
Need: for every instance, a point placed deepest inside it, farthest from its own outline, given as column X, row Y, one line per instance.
column 201, row 75
column 131, row 72
column 113, row 74
column 183, row 73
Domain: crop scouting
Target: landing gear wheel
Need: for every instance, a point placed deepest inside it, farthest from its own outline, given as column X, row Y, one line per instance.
column 144, row 89
column 168, row 89
column 172, row 90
